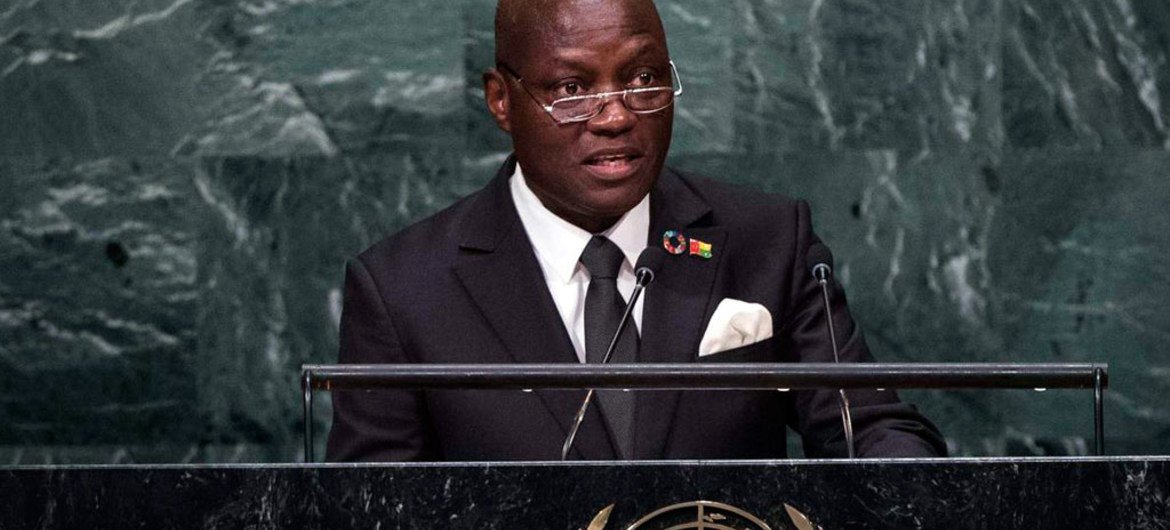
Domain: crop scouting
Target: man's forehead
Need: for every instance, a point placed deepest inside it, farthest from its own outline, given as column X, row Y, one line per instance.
column 518, row 10
column 569, row 15
column 524, row 24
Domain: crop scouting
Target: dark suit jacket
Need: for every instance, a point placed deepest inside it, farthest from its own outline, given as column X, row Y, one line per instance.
column 464, row 286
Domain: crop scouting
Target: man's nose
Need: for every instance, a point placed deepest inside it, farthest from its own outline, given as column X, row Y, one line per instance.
column 614, row 118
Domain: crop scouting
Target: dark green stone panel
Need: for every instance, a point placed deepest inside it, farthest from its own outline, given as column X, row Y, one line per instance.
column 1083, row 73
column 181, row 182
column 323, row 78
column 1079, row 249
column 700, row 38
column 85, row 79
column 97, row 339
column 913, row 76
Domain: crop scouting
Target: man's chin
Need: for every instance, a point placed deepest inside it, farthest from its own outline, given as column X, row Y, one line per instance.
column 595, row 203
column 608, row 212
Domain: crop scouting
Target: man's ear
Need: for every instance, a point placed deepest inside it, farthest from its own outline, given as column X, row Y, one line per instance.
column 495, row 93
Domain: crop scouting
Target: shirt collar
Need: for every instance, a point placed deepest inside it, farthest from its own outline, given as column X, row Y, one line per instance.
column 559, row 243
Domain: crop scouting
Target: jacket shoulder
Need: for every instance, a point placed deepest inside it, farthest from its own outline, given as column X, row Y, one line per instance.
column 742, row 205
column 421, row 246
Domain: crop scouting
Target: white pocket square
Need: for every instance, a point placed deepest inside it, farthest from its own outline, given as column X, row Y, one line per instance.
column 735, row 323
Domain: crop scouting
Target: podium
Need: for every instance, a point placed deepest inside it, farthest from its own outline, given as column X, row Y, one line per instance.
column 1067, row 492
column 1074, row 492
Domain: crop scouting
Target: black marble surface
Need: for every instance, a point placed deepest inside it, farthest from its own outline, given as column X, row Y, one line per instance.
column 964, row 493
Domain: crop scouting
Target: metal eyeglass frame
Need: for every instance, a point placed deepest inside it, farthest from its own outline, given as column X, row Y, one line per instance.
column 675, row 80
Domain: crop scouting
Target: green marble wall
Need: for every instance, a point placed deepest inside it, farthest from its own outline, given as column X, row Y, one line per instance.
column 182, row 180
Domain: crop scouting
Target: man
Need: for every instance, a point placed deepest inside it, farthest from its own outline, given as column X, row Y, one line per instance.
column 533, row 268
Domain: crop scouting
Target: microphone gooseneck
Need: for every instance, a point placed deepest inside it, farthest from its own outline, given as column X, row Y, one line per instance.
column 649, row 262
column 820, row 263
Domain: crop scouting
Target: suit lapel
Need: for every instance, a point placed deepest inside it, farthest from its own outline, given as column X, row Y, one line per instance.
column 676, row 304
column 499, row 269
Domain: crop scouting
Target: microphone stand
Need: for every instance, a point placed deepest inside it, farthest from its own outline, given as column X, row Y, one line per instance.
column 821, row 272
column 643, row 277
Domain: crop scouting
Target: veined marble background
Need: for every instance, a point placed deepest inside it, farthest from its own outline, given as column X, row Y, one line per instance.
column 181, row 182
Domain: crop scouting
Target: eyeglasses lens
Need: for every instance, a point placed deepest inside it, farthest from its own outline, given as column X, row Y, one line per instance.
column 585, row 108
column 649, row 100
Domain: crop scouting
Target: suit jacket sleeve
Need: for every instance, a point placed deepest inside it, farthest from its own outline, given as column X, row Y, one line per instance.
column 883, row 426
column 376, row 425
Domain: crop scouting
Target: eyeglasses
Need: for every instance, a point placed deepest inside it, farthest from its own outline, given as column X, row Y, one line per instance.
column 572, row 109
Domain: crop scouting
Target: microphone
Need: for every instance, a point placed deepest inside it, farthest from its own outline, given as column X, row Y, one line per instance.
column 820, row 263
column 647, row 267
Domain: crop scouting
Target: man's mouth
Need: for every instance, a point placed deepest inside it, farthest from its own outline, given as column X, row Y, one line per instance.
column 610, row 160
column 613, row 163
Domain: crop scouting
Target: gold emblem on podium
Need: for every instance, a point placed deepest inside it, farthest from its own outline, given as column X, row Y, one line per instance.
column 701, row 515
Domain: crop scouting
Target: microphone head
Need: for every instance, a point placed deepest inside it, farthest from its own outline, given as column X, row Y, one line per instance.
column 649, row 263
column 820, row 261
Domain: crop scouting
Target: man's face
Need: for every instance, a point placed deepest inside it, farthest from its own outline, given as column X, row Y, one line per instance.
column 589, row 173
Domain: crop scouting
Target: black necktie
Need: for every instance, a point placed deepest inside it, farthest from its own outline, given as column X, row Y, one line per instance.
column 603, row 311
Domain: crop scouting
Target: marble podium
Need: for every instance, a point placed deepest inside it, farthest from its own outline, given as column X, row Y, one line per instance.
column 1072, row 492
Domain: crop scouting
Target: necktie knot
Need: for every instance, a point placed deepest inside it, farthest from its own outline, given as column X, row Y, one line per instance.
column 602, row 258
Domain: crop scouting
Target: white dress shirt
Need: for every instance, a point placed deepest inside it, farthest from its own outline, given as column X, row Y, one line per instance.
column 559, row 244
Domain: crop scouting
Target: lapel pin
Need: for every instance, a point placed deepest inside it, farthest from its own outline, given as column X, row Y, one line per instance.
column 676, row 243
column 701, row 249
